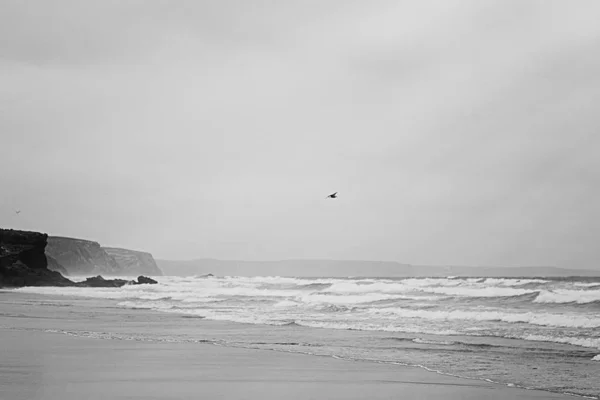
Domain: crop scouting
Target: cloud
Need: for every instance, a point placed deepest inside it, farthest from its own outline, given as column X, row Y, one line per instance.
column 455, row 132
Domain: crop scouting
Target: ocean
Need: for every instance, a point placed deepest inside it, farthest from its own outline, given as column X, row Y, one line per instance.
column 541, row 333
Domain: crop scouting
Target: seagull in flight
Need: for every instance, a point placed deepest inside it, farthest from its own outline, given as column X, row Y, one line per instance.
column 332, row 196
column 18, row 212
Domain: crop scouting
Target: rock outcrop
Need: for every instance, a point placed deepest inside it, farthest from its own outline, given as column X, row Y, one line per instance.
column 134, row 262
column 23, row 260
column 81, row 257
column 99, row 281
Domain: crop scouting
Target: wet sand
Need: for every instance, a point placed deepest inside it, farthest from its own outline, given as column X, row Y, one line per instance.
column 38, row 364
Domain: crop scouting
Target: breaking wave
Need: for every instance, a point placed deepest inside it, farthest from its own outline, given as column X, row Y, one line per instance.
column 557, row 310
column 553, row 320
column 568, row 296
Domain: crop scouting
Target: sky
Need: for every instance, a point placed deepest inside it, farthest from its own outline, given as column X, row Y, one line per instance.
column 456, row 132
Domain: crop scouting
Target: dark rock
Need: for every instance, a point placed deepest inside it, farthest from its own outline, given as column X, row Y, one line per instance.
column 81, row 257
column 145, row 280
column 23, row 261
column 134, row 262
column 27, row 247
column 99, row 281
column 19, row 274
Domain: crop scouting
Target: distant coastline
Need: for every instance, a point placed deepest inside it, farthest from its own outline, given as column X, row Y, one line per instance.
column 347, row 268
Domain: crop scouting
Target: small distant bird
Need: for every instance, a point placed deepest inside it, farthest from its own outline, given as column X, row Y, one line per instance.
column 332, row 196
column 18, row 212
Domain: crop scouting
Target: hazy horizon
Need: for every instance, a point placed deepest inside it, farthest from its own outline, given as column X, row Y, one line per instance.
column 456, row 132
column 341, row 272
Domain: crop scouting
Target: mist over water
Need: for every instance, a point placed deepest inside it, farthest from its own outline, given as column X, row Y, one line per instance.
column 514, row 331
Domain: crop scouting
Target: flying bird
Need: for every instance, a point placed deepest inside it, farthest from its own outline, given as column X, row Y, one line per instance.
column 332, row 196
column 18, row 212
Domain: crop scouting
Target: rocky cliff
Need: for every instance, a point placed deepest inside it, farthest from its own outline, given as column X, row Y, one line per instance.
column 54, row 265
column 134, row 262
column 23, row 260
column 82, row 257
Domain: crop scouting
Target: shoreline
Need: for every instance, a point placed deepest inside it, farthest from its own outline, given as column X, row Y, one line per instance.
column 36, row 328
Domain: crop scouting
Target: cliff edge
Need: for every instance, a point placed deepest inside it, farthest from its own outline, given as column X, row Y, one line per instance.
column 134, row 262
column 81, row 257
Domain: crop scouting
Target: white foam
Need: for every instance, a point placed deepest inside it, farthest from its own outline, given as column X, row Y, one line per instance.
column 586, row 284
column 512, row 282
column 430, row 341
column 424, row 282
column 545, row 319
column 317, row 298
column 286, row 303
column 472, row 287
column 596, row 358
column 490, row 291
column 278, row 280
column 380, row 287
column 387, row 286
column 148, row 305
column 373, row 327
column 583, row 342
column 568, row 296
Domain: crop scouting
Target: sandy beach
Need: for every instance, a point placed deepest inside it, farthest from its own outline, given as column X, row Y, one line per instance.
column 39, row 361
column 56, row 366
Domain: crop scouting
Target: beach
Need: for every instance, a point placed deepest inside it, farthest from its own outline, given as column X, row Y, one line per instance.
column 65, row 348
column 528, row 333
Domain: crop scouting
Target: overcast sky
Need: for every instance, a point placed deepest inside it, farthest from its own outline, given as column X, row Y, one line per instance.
column 456, row 132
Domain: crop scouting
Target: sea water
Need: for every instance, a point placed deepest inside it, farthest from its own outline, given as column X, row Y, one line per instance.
column 541, row 333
